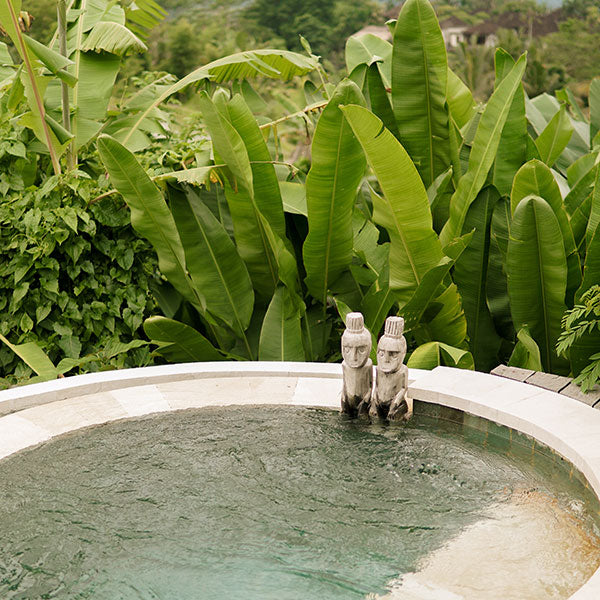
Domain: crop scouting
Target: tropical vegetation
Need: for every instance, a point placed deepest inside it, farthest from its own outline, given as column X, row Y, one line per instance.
column 477, row 222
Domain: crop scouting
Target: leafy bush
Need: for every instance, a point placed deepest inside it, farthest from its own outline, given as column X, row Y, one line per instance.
column 74, row 278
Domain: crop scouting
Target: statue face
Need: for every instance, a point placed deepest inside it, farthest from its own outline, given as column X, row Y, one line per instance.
column 390, row 354
column 356, row 348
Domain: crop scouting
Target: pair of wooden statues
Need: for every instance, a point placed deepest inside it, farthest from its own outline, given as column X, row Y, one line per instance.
column 387, row 399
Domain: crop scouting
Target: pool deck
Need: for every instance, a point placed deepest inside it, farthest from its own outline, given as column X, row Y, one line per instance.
column 33, row 414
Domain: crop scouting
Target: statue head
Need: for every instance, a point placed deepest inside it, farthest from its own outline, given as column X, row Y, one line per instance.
column 391, row 348
column 356, row 341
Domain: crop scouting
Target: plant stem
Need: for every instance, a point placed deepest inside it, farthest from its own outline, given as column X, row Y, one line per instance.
column 78, row 42
column 61, row 9
column 300, row 113
column 39, row 101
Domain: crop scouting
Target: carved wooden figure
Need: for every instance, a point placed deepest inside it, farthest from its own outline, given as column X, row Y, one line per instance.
column 357, row 367
column 391, row 377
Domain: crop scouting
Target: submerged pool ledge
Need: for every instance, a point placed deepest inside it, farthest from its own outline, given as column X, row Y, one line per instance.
column 33, row 414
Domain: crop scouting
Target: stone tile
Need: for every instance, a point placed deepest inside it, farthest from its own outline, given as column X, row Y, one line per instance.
column 92, row 383
column 75, row 413
column 514, row 373
column 318, row 392
column 591, row 398
column 141, row 400
column 553, row 383
column 222, row 391
column 17, row 433
column 478, row 393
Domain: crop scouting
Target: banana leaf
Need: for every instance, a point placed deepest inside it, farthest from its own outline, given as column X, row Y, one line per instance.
column 419, row 81
column 150, row 215
column 338, row 164
column 34, row 357
column 460, row 100
column 594, row 220
column 444, row 320
column 379, row 100
column 591, row 268
column 266, row 186
column 471, row 277
column 535, row 178
column 483, row 152
column 275, row 64
column 433, row 354
column 249, row 226
column 496, row 286
column 512, row 150
column 281, row 333
column 178, row 342
column 555, row 137
column 404, row 207
column 526, row 354
column 213, row 262
column 537, row 276
column 370, row 50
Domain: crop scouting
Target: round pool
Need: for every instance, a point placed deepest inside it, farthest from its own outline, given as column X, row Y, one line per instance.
column 260, row 490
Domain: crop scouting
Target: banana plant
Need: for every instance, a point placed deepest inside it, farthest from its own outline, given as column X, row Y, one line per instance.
column 477, row 223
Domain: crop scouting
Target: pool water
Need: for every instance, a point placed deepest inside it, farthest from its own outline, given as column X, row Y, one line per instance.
column 264, row 503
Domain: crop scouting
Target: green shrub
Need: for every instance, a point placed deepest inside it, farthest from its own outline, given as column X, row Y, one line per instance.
column 74, row 277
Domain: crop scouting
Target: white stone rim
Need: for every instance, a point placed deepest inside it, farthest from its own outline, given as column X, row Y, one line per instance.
column 33, row 414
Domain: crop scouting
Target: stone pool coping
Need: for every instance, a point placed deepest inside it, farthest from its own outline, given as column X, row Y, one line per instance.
column 33, row 414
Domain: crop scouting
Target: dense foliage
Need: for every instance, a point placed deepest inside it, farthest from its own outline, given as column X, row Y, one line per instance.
column 478, row 222
column 428, row 239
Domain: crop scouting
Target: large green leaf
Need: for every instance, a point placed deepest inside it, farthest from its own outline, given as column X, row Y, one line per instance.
column 34, row 84
column 526, row 354
column 535, row 178
column 419, row 80
column 379, row 99
column 227, row 142
column 483, row 151
column 56, row 63
column 370, row 50
column 430, row 285
column 471, row 277
column 96, row 75
column 338, row 164
column 591, row 268
column 377, row 302
column 433, row 354
column 594, row 101
column 249, row 225
column 496, row 287
column 264, row 178
column 512, row 150
column 537, row 276
column 276, row 64
column 404, row 208
column 460, row 100
column 555, row 137
column 281, row 333
column 150, row 215
column 594, row 220
column 178, row 342
column 33, row 356
column 213, row 262
column 444, row 320
column 113, row 38
column 581, row 167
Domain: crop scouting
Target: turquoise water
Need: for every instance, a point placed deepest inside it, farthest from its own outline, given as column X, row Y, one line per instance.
column 239, row 504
